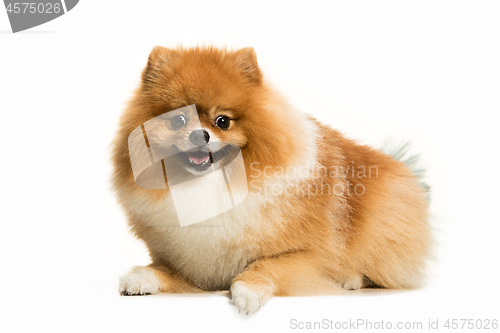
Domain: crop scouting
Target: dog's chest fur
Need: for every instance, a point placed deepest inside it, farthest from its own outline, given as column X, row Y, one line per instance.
column 206, row 258
column 209, row 253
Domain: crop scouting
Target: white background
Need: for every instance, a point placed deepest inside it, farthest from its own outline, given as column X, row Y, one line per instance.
column 424, row 71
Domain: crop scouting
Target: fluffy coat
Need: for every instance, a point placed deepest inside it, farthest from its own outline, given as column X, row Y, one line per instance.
column 353, row 217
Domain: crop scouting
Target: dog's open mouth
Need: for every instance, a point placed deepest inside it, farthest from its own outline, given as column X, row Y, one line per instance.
column 201, row 159
column 198, row 158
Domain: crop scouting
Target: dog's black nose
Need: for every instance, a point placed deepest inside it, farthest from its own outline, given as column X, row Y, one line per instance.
column 199, row 137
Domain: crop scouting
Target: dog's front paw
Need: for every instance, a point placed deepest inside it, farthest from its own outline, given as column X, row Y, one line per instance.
column 248, row 298
column 353, row 283
column 140, row 281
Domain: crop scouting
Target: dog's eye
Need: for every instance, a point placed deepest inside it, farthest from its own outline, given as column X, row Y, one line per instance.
column 178, row 121
column 222, row 122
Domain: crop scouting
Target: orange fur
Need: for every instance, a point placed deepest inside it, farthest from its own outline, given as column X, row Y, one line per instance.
column 296, row 243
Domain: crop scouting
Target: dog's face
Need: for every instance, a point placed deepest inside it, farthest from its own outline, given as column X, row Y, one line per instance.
column 186, row 145
column 234, row 110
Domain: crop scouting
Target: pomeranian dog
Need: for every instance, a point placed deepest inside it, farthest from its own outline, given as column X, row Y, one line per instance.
column 319, row 212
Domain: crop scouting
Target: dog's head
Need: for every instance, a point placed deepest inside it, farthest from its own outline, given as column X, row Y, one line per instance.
column 202, row 103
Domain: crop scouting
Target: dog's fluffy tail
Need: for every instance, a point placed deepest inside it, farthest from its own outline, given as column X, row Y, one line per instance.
column 401, row 151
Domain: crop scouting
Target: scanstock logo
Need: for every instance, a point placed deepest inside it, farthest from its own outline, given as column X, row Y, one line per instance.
column 28, row 14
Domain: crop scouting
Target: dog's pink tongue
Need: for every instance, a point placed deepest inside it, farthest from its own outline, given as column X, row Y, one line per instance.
column 199, row 160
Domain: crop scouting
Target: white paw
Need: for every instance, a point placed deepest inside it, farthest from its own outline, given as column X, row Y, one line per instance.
column 140, row 281
column 248, row 298
column 353, row 283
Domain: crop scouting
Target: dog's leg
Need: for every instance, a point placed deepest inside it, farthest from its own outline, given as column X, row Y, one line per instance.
column 153, row 279
column 297, row 273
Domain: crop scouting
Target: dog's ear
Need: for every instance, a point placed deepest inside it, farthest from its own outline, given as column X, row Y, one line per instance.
column 246, row 60
column 158, row 59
